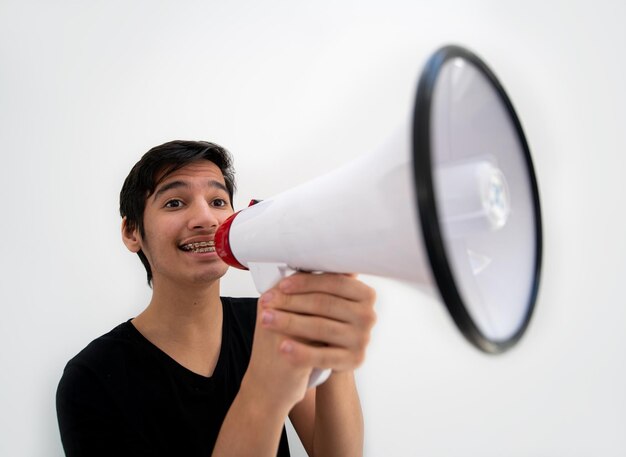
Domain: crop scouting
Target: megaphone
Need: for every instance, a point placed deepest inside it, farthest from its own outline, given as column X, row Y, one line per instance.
column 449, row 203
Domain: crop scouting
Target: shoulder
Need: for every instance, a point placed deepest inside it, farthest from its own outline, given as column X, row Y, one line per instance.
column 92, row 394
column 107, row 347
column 82, row 379
column 103, row 356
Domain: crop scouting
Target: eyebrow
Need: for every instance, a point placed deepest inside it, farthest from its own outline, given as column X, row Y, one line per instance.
column 180, row 184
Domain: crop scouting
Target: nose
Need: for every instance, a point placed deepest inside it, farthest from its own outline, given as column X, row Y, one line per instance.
column 202, row 216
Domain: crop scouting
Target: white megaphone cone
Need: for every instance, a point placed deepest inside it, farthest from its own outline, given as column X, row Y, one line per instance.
column 449, row 203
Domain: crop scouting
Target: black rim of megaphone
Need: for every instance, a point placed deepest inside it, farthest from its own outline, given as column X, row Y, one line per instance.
column 429, row 220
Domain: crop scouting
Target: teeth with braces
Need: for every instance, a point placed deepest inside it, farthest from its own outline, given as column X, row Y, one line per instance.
column 199, row 247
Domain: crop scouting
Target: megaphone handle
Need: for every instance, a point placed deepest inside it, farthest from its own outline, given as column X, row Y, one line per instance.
column 266, row 276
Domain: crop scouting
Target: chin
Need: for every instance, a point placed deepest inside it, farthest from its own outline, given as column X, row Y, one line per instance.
column 209, row 276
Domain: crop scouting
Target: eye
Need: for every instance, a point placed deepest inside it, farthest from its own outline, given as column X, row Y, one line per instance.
column 219, row 203
column 174, row 203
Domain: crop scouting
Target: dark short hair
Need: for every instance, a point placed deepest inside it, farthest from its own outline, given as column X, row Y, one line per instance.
column 156, row 165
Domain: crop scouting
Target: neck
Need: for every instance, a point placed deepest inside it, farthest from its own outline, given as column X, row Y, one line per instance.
column 185, row 322
column 186, row 310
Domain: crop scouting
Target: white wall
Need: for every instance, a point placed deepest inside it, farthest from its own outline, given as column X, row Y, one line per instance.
column 295, row 89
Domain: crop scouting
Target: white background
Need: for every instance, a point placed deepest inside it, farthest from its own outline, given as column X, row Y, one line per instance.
column 295, row 89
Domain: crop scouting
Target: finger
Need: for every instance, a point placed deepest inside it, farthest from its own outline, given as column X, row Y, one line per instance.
column 323, row 305
column 315, row 329
column 340, row 285
column 337, row 359
column 361, row 314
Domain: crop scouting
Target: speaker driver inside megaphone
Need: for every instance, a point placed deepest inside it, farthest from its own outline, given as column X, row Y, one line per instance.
column 478, row 199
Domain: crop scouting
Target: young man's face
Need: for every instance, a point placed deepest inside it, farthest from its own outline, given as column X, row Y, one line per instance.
column 180, row 220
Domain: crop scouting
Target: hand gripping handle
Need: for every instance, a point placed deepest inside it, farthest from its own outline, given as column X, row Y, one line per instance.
column 266, row 276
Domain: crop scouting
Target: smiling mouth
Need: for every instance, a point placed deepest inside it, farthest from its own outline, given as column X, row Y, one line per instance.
column 202, row 246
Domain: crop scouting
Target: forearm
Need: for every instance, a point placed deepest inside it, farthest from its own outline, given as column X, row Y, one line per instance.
column 338, row 418
column 326, row 320
column 251, row 428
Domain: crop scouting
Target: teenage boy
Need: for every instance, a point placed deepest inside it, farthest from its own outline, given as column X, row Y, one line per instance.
column 197, row 374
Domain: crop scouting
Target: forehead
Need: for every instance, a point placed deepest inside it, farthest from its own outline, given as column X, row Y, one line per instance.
column 198, row 170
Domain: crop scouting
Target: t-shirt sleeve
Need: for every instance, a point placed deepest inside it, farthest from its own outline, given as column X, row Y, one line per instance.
column 88, row 419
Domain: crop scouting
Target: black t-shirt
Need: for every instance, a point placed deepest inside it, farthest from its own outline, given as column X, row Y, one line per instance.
column 122, row 395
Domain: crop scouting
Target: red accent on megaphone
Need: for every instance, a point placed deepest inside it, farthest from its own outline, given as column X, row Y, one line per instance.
column 222, row 243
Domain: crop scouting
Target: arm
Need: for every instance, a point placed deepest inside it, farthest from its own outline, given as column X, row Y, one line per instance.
column 252, row 426
column 269, row 389
column 308, row 321
column 335, row 311
column 329, row 420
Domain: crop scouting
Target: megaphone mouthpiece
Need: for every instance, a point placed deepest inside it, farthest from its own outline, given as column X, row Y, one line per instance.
column 222, row 244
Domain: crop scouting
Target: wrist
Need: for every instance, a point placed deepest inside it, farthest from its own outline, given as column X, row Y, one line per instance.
column 262, row 400
column 339, row 379
column 252, row 426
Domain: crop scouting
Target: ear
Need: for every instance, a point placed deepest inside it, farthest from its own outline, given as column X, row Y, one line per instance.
column 131, row 237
